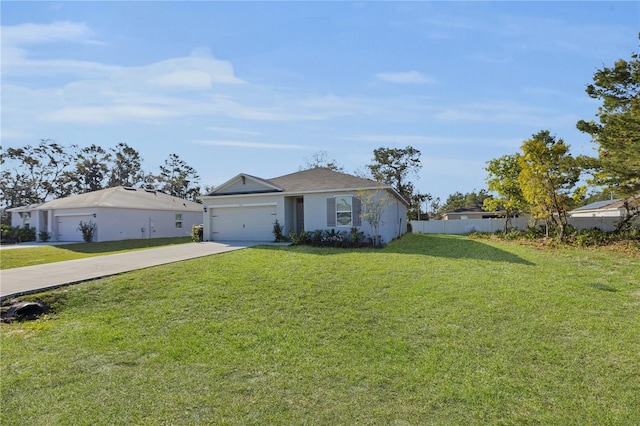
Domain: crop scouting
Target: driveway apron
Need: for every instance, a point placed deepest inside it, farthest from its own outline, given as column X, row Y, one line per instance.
column 32, row 279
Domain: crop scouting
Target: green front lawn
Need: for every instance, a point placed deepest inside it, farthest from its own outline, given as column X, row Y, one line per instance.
column 18, row 257
column 430, row 330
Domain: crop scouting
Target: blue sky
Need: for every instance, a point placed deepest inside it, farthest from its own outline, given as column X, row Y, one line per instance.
column 260, row 87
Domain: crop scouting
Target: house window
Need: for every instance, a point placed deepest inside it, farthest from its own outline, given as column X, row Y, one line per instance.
column 178, row 220
column 344, row 213
column 26, row 219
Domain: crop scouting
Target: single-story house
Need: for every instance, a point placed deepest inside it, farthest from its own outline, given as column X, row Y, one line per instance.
column 473, row 211
column 607, row 208
column 120, row 213
column 246, row 207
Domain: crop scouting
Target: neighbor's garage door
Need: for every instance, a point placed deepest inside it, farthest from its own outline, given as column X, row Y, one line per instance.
column 68, row 227
column 251, row 223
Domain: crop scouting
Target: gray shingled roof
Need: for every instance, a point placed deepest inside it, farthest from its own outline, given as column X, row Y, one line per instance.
column 599, row 205
column 119, row 197
column 322, row 179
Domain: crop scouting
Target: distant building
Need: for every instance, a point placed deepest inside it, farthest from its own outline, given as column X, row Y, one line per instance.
column 473, row 211
column 608, row 208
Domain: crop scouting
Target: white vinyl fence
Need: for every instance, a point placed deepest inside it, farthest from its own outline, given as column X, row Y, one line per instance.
column 465, row 226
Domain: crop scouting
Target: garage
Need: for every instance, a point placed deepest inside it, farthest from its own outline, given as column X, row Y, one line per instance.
column 68, row 227
column 244, row 223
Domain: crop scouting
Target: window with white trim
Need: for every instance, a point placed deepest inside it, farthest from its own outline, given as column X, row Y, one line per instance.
column 344, row 211
column 178, row 220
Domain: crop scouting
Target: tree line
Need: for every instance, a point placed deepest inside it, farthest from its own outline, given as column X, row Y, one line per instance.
column 35, row 174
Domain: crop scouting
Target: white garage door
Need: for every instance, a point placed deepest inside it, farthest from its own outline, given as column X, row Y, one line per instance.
column 243, row 223
column 68, row 227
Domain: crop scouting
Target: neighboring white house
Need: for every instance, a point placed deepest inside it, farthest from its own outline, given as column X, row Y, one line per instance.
column 246, row 207
column 120, row 213
column 607, row 208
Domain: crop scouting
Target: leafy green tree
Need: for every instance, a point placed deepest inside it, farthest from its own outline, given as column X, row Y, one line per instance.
column 179, row 179
column 618, row 132
column 126, row 169
column 548, row 177
column 32, row 174
column 458, row 200
column 503, row 181
column 394, row 167
column 454, row 201
column 90, row 172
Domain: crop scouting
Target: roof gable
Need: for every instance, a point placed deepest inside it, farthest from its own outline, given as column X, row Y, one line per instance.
column 245, row 184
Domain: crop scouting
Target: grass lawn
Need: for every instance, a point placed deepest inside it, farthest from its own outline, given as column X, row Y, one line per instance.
column 439, row 330
column 16, row 258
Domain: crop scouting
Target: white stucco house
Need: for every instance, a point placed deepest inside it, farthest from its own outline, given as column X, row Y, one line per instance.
column 607, row 208
column 246, row 207
column 120, row 213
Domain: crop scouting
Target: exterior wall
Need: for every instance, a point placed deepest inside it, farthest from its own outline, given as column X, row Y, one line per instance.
column 18, row 220
column 37, row 220
column 126, row 224
column 598, row 213
column 393, row 223
column 116, row 224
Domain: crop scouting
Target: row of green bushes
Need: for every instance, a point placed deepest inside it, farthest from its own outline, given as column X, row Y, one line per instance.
column 331, row 238
column 16, row 234
column 323, row 237
column 578, row 237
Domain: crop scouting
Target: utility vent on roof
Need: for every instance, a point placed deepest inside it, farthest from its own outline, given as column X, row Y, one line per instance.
column 128, row 188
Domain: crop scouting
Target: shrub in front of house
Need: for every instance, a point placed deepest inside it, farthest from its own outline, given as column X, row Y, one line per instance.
column 278, row 235
column 88, row 230
column 16, row 234
column 197, row 233
column 44, row 236
column 331, row 238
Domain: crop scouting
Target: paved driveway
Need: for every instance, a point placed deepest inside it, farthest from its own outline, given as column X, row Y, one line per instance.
column 31, row 279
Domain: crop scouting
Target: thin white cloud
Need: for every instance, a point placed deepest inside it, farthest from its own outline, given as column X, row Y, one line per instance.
column 188, row 79
column 331, row 105
column 504, row 112
column 418, row 140
column 408, row 77
column 233, row 130
column 253, row 145
column 109, row 114
column 26, row 34
column 396, row 139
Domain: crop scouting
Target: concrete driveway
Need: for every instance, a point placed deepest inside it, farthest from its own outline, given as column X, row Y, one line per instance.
column 32, row 279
